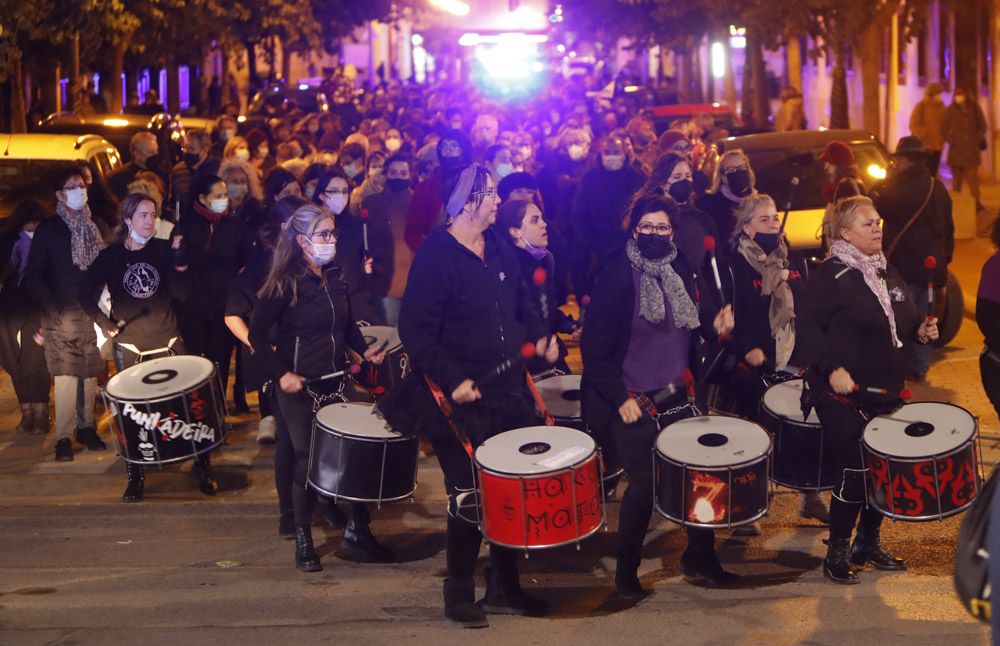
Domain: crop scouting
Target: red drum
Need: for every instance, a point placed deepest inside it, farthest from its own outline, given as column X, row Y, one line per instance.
column 539, row 487
column 380, row 379
column 166, row 410
column 712, row 471
column 922, row 461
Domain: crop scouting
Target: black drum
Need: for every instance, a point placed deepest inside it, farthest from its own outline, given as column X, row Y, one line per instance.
column 356, row 456
column 378, row 379
column 799, row 460
column 166, row 410
column 711, row 471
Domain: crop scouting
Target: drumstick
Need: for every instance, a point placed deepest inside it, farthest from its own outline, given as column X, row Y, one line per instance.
column 903, row 394
column 788, row 203
column 354, row 369
column 527, row 352
column 364, row 230
column 710, row 248
column 539, row 277
column 687, row 378
column 930, row 262
column 121, row 324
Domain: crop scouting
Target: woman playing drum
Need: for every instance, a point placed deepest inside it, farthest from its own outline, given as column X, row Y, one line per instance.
column 856, row 325
column 638, row 343
column 305, row 297
column 466, row 309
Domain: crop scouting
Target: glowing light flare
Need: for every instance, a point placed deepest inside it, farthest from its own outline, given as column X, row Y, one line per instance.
column 241, row 118
column 875, row 171
column 527, row 17
column 718, row 56
column 416, row 40
column 454, row 7
column 116, row 123
column 507, row 60
column 738, row 42
column 703, row 512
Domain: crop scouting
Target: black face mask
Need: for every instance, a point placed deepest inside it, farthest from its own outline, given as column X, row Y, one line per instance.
column 681, row 191
column 397, row 185
column 191, row 159
column 451, row 162
column 739, row 183
column 153, row 162
column 767, row 241
column 653, row 246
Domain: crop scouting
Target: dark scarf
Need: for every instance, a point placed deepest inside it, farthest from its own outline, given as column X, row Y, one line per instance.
column 213, row 218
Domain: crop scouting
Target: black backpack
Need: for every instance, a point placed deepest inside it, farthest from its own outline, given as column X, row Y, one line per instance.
column 972, row 577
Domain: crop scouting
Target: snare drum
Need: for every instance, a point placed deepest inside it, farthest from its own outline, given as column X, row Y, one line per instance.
column 799, row 460
column 356, row 456
column 381, row 378
column 712, row 471
column 539, row 487
column 922, row 461
column 561, row 394
column 166, row 410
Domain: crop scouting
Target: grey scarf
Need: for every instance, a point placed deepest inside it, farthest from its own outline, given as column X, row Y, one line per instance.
column 658, row 280
column 85, row 238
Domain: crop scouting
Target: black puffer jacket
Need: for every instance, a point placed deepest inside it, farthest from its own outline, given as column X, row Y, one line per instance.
column 51, row 278
column 215, row 254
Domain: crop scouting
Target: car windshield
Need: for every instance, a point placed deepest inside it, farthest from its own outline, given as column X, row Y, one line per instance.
column 19, row 176
column 774, row 170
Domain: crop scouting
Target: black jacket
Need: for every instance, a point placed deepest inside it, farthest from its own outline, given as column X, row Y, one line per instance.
column 608, row 330
column 841, row 324
column 215, row 254
column 462, row 316
column 544, row 298
column 351, row 258
column 722, row 211
column 313, row 333
column 600, row 204
column 51, row 277
column 897, row 200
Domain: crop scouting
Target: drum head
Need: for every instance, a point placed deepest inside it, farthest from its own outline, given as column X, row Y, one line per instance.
column 782, row 399
column 920, row 430
column 357, row 419
column 161, row 377
column 535, row 449
column 713, row 441
column 376, row 335
column 561, row 394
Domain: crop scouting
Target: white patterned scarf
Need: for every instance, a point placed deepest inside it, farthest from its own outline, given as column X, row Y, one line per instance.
column 873, row 269
column 658, row 280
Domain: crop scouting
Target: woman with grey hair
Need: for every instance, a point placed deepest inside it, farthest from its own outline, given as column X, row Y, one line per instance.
column 856, row 327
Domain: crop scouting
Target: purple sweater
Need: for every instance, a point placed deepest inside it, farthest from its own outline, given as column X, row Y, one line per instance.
column 657, row 352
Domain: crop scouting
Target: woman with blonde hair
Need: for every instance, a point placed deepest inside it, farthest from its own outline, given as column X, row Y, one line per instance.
column 304, row 298
column 237, row 147
column 734, row 181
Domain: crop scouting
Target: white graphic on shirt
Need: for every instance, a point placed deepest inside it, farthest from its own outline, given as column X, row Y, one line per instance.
column 141, row 280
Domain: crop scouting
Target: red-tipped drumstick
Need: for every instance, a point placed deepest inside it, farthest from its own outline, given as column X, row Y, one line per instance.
column 930, row 262
column 528, row 350
column 364, row 229
column 903, row 394
column 687, row 378
column 710, row 248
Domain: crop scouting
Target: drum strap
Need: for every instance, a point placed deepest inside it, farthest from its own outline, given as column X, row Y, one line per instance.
column 539, row 402
column 442, row 402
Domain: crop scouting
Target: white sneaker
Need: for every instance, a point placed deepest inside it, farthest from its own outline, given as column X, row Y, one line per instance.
column 266, row 430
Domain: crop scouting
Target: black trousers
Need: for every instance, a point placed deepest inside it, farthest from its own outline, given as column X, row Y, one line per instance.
column 989, row 371
column 284, row 452
column 24, row 361
column 210, row 338
column 297, row 413
column 635, row 444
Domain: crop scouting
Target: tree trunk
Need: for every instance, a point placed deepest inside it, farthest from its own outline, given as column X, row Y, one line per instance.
column 793, row 62
column 174, row 88
column 286, row 64
column 966, row 50
column 18, row 109
column 871, row 67
column 683, row 75
column 839, row 115
column 746, row 89
column 697, row 90
column 117, row 65
column 758, row 82
column 76, row 84
column 226, row 78
column 729, row 82
column 252, row 66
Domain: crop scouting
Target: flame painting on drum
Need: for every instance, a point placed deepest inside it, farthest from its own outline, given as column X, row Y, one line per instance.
column 913, row 492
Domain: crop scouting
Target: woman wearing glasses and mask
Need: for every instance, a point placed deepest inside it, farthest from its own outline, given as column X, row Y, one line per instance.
column 639, row 341
column 734, row 181
column 305, row 298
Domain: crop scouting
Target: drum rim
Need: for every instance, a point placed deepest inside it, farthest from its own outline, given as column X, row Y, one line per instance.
column 764, row 409
column 171, row 460
column 376, row 501
column 920, row 519
column 398, row 437
column 971, row 441
column 539, row 474
column 158, row 400
column 767, row 453
column 968, row 444
column 727, row 467
column 214, row 374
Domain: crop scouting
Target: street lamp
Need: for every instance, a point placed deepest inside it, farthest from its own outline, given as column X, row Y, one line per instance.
column 454, row 7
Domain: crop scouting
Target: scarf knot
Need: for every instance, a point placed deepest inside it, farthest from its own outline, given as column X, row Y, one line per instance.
column 660, row 284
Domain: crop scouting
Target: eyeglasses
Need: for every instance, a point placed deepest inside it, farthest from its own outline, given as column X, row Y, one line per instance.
column 658, row 229
column 336, row 191
column 325, row 236
column 489, row 192
column 734, row 169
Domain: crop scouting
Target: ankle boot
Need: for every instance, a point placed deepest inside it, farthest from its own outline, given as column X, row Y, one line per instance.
column 286, row 525
column 836, row 566
column 504, row 595
column 627, row 577
column 41, row 417
column 306, row 558
column 704, row 563
column 27, row 419
column 202, row 471
column 136, row 481
column 358, row 543
column 459, row 604
column 867, row 548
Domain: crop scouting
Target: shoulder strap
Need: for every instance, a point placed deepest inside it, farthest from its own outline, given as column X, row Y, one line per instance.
column 899, row 236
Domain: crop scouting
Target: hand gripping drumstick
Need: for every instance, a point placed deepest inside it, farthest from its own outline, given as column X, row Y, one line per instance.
column 930, row 262
column 527, row 352
column 121, row 324
column 354, row 369
column 904, row 394
column 710, row 248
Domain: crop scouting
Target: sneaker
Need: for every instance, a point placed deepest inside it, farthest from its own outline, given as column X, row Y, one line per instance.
column 64, row 450
column 266, row 430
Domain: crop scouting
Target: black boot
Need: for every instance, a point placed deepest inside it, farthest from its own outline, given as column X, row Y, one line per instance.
column 358, row 543
column 836, row 566
column 504, row 595
column 64, row 450
column 627, row 578
column 459, row 604
column 306, row 558
column 286, row 525
column 136, row 481
column 698, row 562
column 27, row 419
column 87, row 436
column 868, row 549
column 331, row 514
column 202, row 470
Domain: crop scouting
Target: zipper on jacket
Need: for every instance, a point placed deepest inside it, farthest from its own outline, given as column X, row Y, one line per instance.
column 295, row 357
column 333, row 323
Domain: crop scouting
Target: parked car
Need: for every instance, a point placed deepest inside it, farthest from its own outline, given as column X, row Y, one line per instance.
column 27, row 161
column 777, row 157
column 119, row 128
column 724, row 116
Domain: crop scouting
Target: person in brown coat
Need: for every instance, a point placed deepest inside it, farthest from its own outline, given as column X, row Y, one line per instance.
column 965, row 131
column 927, row 123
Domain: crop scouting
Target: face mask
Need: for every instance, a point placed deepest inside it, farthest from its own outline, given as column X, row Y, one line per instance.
column 138, row 239
column 393, row 144
column 653, row 246
column 576, row 152
column 76, row 198
column 191, row 159
column 336, row 203
column 220, row 205
column 263, row 152
column 503, row 170
column 237, row 192
column 352, row 170
column 322, row 253
column 313, row 128
column 152, row 161
column 681, row 191
column 536, row 252
column 451, row 161
column 226, row 135
column 456, row 125
column 739, row 183
column 613, row 162
column 767, row 241
column 960, row 99
column 30, row 234
column 397, row 184
column 243, row 154
column 525, row 153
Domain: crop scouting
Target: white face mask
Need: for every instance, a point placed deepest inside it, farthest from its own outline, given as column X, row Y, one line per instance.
column 263, row 152
column 576, row 152
column 138, row 238
column 76, row 198
column 503, row 170
column 220, row 205
column 227, row 134
column 335, row 203
column 352, row 170
column 393, row 144
column 237, row 191
column 613, row 162
column 525, row 153
column 30, row 234
column 322, row 253
column 242, row 153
